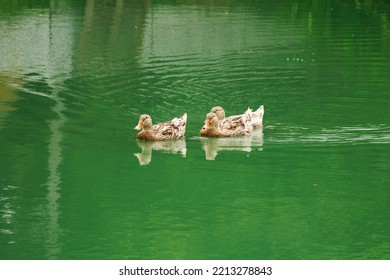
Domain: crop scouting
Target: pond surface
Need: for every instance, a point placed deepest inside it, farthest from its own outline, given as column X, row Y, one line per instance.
column 313, row 183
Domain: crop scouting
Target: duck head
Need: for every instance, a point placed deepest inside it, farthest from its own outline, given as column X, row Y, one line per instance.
column 211, row 121
column 210, row 127
column 145, row 122
column 219, row 112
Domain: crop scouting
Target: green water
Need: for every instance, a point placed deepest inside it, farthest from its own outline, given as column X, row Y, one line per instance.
column 314, row 183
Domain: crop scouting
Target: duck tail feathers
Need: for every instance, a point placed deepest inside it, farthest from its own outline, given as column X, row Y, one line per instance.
column 257, row 117
column 248, row 111
column 260, row 111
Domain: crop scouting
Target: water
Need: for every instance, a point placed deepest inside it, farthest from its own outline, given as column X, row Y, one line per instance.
column 312, row 184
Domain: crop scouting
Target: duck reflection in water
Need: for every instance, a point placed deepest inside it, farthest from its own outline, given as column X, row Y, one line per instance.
column 168, row 146
column 253, row 142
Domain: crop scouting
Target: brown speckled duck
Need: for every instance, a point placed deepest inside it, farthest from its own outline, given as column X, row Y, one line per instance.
column 232, row 122
column 212, row 128
column 170, row 130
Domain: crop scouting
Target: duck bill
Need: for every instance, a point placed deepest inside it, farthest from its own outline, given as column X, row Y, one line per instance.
column 139, row 126
column 206, row 124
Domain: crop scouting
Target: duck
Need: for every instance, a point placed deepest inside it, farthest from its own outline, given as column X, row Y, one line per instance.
column 254, row 118
column 170, row 130
column 212, row 127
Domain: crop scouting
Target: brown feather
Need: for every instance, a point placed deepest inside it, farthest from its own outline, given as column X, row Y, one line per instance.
column 146, row 135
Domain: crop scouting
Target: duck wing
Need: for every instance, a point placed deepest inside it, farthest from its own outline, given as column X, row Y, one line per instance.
column 163, row 129
column 231, row 123
column 171, row 129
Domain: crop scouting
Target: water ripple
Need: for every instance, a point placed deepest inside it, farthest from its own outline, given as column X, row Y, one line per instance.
column 370, row 134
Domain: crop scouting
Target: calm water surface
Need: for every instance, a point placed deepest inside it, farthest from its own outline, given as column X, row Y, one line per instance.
column 314, row 183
